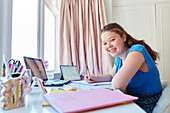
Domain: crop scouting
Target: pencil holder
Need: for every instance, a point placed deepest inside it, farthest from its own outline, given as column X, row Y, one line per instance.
column 13, row 92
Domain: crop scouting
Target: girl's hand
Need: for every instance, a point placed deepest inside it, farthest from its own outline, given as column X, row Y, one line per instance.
column 91, row 79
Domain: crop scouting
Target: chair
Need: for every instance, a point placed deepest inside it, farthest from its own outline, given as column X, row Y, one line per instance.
column 163, row 104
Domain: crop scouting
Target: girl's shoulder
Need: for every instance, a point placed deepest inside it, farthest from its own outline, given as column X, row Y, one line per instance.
column 137, row 47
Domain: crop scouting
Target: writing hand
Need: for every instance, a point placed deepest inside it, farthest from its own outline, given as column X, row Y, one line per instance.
column 90, row 79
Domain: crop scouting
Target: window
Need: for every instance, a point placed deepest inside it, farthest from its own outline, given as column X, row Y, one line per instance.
column 34, row 31
column 24, row 29
column 49, row 38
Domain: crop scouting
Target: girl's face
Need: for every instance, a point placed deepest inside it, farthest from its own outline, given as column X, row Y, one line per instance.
column 113, row 43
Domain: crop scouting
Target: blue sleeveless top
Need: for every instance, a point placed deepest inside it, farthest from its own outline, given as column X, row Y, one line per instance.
column 142, row 82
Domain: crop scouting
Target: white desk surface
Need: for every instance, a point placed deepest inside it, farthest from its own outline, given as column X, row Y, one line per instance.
column 34, row 105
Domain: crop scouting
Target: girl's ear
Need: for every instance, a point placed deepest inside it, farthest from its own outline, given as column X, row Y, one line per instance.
column 124, row 37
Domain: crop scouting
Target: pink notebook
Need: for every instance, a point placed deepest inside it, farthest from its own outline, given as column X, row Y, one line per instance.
column 86, row 100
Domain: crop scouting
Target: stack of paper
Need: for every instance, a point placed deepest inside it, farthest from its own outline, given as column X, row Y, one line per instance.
column 92, row 84
column 86, row 100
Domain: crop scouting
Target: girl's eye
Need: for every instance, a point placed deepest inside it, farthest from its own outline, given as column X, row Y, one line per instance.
column 104, row 43
column 112, row 39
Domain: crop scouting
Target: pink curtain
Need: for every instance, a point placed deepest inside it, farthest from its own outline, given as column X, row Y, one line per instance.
column 79, row 36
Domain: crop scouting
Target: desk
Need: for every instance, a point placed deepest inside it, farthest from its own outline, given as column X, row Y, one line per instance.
column 35, row 101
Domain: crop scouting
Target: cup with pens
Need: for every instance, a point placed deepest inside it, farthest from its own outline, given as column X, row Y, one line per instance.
column 15, row 67
column 12, row 68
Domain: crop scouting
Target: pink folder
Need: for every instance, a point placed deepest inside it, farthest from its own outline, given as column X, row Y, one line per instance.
column 86, row 100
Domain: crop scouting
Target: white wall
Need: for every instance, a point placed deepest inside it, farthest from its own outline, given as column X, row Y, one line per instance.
column 147, row 20
column 108, row 9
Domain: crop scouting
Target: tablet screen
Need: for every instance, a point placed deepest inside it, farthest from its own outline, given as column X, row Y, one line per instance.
column 70, row 72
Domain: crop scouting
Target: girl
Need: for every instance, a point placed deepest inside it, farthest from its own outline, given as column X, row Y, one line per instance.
column 135, row 69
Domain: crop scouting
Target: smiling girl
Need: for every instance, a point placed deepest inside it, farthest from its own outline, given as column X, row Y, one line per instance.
column 135, row 71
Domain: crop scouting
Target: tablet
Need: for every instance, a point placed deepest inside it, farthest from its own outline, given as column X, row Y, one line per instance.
column 70, row 72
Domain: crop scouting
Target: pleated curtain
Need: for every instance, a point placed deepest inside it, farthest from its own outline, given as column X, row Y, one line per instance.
column 79, row 36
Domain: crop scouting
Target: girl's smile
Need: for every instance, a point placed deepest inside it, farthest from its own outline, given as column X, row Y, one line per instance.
column 114, row 43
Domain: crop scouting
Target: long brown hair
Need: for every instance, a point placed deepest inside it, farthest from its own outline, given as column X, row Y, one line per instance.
column 114, row 27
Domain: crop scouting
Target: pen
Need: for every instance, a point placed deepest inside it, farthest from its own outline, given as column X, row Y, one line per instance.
column 9, row 66
column 88, row 77
column 3, row 71
column 20, row 68
column 13, row 69
column 16, row 68
column 8, row 73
